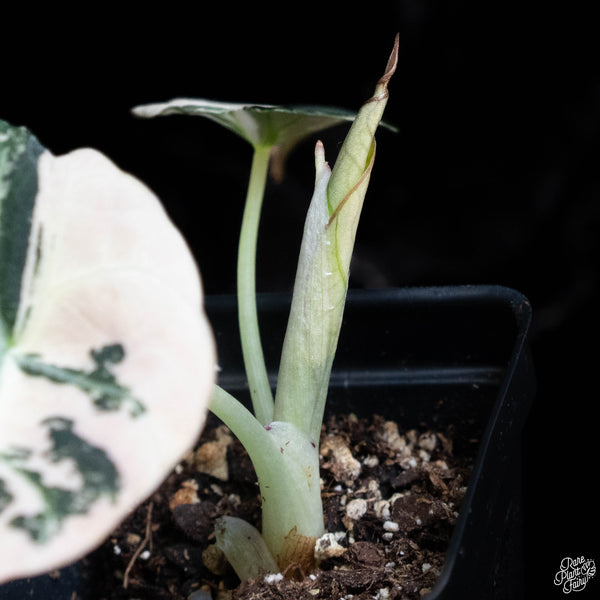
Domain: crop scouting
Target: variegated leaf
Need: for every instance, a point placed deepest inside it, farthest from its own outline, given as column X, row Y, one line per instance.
column 276, row 126
column 259, row 124
column 106, row 357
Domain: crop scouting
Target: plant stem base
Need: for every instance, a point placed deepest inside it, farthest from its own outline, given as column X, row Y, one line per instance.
column 375, row 552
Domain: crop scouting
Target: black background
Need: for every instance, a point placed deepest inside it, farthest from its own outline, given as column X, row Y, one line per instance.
column 494, row 177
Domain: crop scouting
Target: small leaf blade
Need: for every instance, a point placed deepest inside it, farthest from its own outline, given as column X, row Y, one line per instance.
column 259, row 124
column 279, row 127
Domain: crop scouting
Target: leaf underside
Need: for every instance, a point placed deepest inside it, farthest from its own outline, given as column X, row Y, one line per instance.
column 260, row 124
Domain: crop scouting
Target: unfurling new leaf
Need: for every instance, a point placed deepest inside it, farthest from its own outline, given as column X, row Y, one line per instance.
column 323, row 268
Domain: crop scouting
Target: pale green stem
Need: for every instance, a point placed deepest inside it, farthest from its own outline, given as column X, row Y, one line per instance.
column 254, row 362
column 239, row 419
column 287, row 467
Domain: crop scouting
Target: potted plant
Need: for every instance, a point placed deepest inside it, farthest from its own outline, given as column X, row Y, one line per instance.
column 282, row 437
column 438, row 358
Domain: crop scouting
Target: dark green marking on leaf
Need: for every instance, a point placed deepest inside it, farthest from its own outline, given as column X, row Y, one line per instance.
column 114, row 353
column 38, row 250
column 5, row 496
column 19, row 155
column 106, row 393
column 98, row 473
column 15, row 454
column 43, row 525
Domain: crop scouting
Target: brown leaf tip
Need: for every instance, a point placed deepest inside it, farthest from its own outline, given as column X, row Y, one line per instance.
column 391, row 64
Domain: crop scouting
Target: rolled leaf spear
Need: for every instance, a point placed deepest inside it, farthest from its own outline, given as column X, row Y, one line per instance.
column 324, row 264
column 318, row 303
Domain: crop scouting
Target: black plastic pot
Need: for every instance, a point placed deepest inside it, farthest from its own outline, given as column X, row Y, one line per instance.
column 437, row 356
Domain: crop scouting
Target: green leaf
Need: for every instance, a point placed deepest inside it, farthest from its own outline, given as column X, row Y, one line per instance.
column 273, row 126
column 107, row 361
